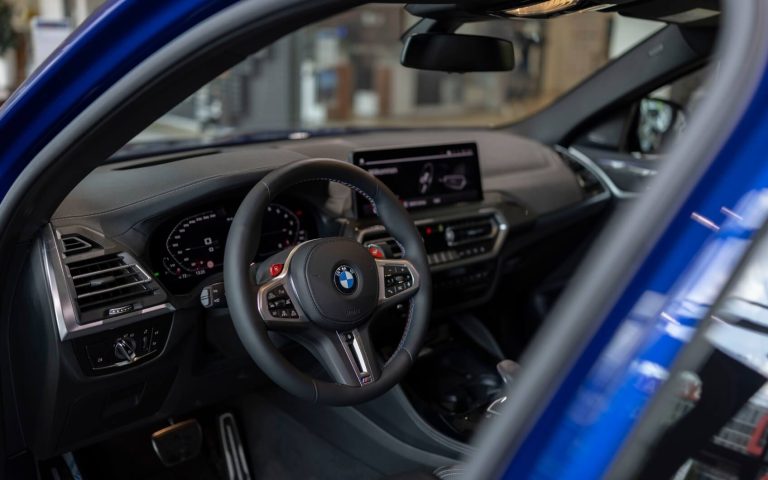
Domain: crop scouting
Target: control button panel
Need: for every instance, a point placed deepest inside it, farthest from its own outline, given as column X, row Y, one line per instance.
column 474, row 250
column 461, row 240
column 279, row 304
column 461, row 252
column 397, row 279
column 124, row 347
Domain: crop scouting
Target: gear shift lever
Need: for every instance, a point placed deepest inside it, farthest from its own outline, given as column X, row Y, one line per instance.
column 507, row 370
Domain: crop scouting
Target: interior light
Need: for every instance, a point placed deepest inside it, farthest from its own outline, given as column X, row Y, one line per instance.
column 543, row 8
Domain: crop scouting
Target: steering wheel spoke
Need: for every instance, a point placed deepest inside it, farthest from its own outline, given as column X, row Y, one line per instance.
column 348, row 356
column 398, row 281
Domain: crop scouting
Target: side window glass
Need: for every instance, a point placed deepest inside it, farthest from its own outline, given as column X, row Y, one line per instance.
column 664, row 113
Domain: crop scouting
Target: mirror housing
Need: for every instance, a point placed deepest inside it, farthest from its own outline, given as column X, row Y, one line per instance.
column 449, row 52
column 658, row 120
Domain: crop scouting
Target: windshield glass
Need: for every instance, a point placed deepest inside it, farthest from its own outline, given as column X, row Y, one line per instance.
column 345, row 72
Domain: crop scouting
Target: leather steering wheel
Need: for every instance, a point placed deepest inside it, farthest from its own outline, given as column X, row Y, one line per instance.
column 326, row 291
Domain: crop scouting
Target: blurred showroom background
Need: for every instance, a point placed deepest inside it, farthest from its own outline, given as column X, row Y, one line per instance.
column 345, row 71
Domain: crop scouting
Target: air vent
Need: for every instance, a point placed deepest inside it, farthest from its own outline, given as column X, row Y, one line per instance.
column 75, row 244
column 108, row 281
column 470, row 230
column 588, row 181
column 383, row 240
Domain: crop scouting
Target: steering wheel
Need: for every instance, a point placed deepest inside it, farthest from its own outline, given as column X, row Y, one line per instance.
column 324, row 292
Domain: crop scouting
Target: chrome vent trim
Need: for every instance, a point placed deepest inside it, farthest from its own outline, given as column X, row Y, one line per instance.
column 64, row 303
column 106, row 280
column 588, row 181
column 576, row 156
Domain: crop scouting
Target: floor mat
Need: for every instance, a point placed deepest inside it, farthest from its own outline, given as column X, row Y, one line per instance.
column 131, row 457
column 282, row 448
column 278, row 447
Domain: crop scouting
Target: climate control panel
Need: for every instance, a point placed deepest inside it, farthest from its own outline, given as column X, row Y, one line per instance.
column 448, row 242
column 462, row 252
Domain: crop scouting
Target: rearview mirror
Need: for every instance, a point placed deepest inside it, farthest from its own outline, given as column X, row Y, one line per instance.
column 448, row 52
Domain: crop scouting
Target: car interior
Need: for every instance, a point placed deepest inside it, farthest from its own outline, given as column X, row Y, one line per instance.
column 338, row 302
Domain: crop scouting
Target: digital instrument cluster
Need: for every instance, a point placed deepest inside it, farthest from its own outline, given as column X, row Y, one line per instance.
column 189, row 248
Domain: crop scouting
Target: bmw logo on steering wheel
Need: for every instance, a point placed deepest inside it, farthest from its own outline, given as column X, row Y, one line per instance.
column 345, row 279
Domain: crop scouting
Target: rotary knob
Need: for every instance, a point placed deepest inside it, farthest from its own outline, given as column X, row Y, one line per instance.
column 125, row 349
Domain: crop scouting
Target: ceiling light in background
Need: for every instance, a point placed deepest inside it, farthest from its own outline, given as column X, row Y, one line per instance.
column 543, row 8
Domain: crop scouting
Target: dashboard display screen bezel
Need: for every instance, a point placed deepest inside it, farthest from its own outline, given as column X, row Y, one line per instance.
column 416, row 159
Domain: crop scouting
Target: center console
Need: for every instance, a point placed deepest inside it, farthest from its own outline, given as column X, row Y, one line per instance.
column 461, row 249
column 463, row 229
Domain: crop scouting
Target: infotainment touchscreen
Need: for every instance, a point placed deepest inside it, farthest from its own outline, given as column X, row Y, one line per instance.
column 424, row 176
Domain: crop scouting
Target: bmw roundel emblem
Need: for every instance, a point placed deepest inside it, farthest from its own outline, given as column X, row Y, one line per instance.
column 345, row 279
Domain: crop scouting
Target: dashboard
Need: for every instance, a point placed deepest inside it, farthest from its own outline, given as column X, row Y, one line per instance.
column 466, row 191
column 187, row 247
column 167, row 219
column 134, row 250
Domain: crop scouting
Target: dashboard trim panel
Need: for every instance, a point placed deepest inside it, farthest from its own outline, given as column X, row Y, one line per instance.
column 65, row 312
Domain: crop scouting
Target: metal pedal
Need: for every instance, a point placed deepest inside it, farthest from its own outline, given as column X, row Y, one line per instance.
column 237, row 466
column 178, row 443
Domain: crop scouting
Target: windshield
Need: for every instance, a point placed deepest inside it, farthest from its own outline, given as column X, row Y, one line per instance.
column 345, row 72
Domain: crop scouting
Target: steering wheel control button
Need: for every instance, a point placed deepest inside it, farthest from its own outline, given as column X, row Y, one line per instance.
column 345, row 279
column 275, row 269
column 279, row 304
column 376, row 251
column 397, row 279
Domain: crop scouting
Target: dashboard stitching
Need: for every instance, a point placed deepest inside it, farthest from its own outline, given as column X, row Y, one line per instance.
column 269, row 192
